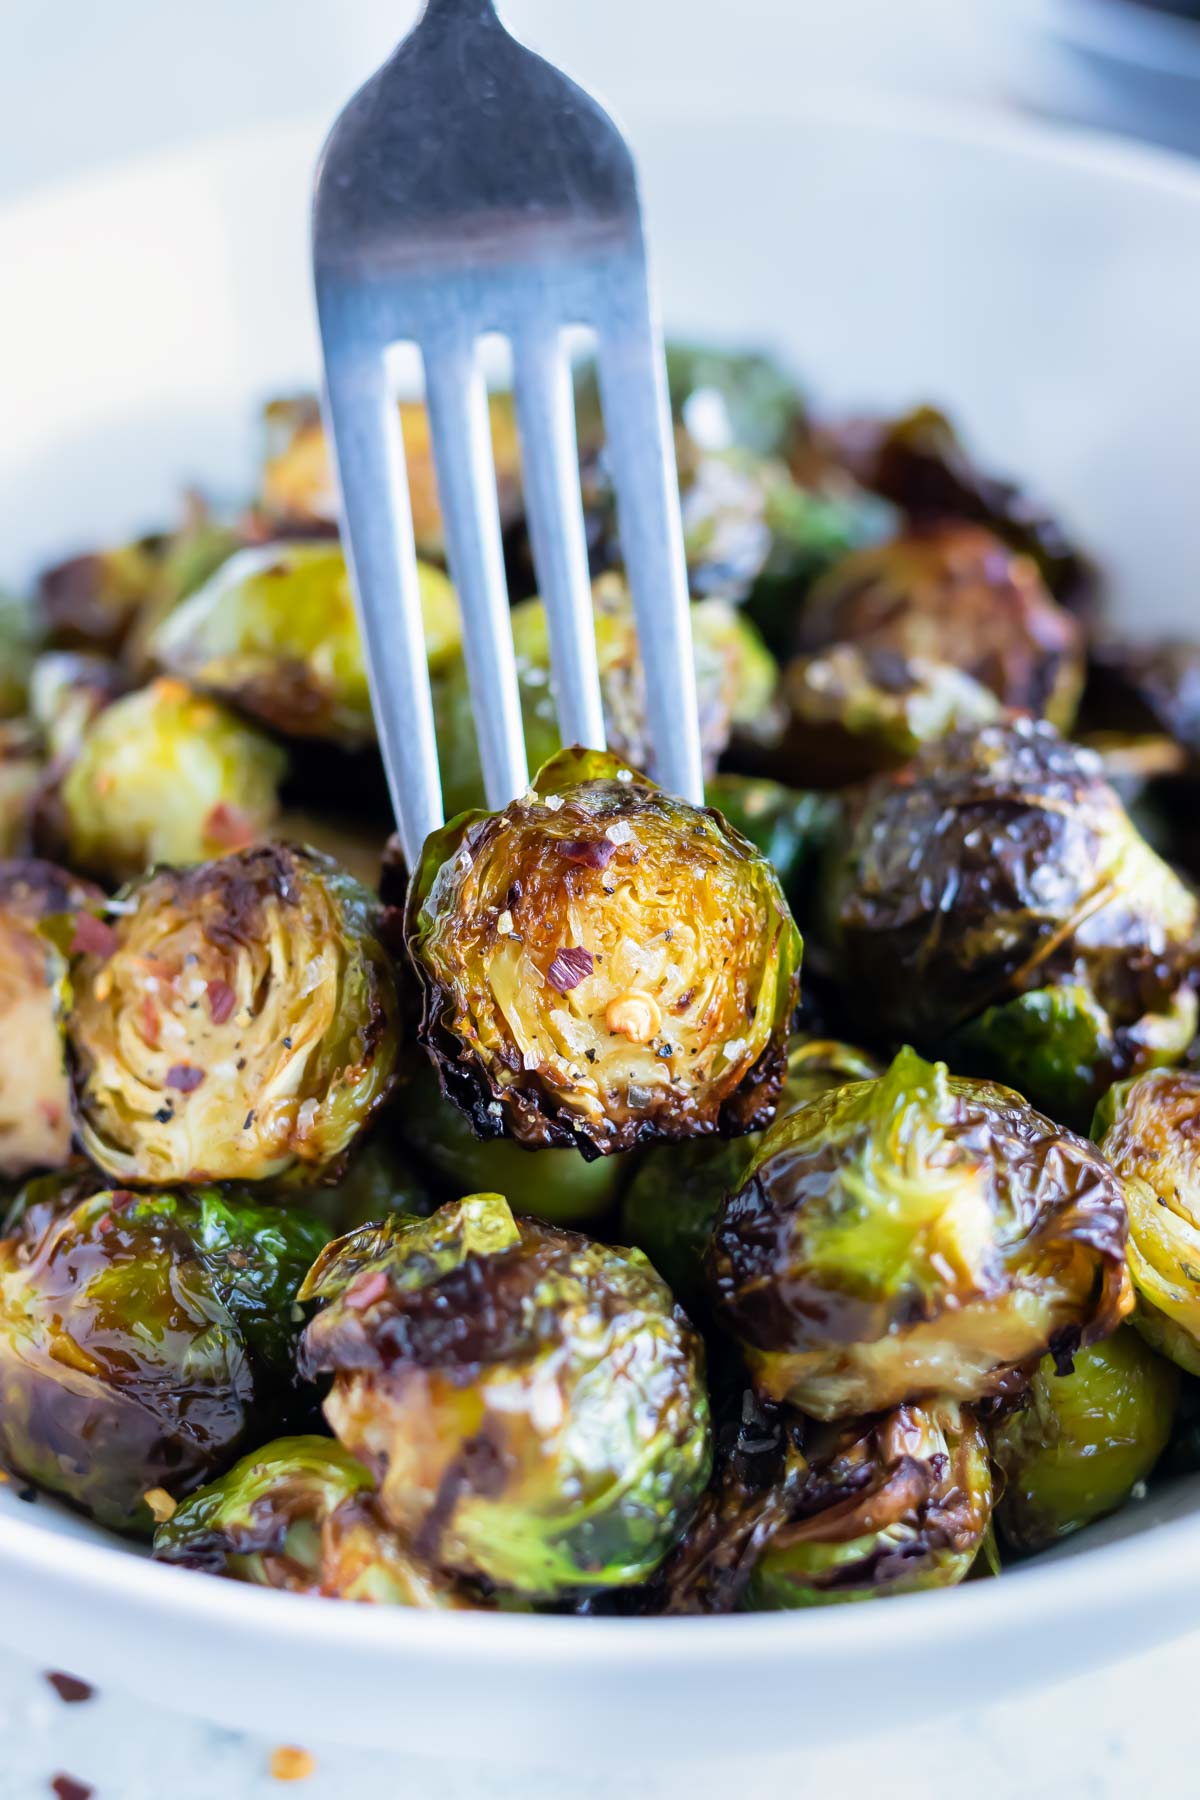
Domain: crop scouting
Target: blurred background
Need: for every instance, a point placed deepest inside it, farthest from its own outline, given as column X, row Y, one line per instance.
column 81, row 85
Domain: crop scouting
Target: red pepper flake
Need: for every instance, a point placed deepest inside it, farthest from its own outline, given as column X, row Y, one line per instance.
column 184, row 1077
column 105, row 1225
column 366, row 1289
column 69, row 1688
column 593, row 853
column 67, row 1788
column 92, row 936
column 221, row 1001
column 150, row 1021
column 228, row 828
column 572, row 965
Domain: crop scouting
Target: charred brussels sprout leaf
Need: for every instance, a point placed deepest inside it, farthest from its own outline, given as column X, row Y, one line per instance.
column 35, row 1096
column 298, row 1514
column 140, row 1336
column 893, row 1506
column 1082, row 1440
column 90, row 602
column 672, row 1202
column 274, row 633
column 531, row 1405
column 1149, row 1130
column 166, row 775
column 735, row 683
column 919, row 1234
column 954, row 594
column 236, row 1021
column 602, row 964
column 559, row 1186
column 999, row 864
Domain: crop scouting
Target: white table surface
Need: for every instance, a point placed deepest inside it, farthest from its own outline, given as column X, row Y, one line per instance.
column 1102, row 1737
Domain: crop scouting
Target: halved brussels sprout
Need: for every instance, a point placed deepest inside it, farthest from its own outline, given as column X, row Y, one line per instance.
column 530, row 1403
column 556, row 1185
column 602, row 964
column 140, row 1337
column 1081, row 1441
column 999, row 864
column 35, row 1095
column 21, row 780
column 235, row 1021
column 735, row 683
column 165, row 775
column 298, row 1515
column 855, row 709
column 919, row 1234
column 67, row 690
column 1149, row 1130
column 672, row 1202
column 891, row 1506
column 298, row 489
column 274, row 632
column 953, row 593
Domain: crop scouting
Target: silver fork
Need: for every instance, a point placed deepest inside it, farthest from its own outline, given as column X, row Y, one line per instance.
column 468, row 188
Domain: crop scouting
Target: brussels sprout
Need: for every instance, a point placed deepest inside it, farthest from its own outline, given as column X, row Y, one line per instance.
column 723, row 398
column 1082, row 1441
column 91, row 601
column 235, row 1021
column 379, row 1179
column 21, row 777
column 140, row 1337
column 672, row 1202
column 165, row 775
column 955, row 594
column 17, row 641
column 999, row 864
column 1148, row 688
column 298, row 489
column 298, row 1515
column 275, row 633
column 813, row 526
column 1149, row 1130
column 791, row 827
column 918, row 1234
column 359, row 845
column 35, row 1097
column 921, row 464
column 531, row 1405
column 602, row 964
column 855, row 709
column 735, row 682
column 556, row 1185
column 67, row 690
column 891, row 1506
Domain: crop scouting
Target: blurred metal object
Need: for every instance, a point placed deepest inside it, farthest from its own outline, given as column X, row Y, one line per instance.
column 468, row 188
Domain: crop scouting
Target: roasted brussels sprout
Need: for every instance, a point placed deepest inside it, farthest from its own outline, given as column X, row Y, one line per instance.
column 298, row 1515
column 1148, row 688
column 379, row 1179
column 1078, row 1443
column 298, row 491
column 274, row 632
column 890, row 1506
column 993, row 898
column 91, row 601
column 602, row 964
column 672, row 1202
column 723, row 397
column 140, row 1337
column 164, row 775
column 735, row 682
column 530, row 1403
column 792, row 827
column 954, row 593
column 855, row 709
column 559, row 1186
column 21, row 777
column 67, row 690
column 1149, row 1130
column 18, row 634
column 235, row 1021
column 918, row 1234
column 35, row 1097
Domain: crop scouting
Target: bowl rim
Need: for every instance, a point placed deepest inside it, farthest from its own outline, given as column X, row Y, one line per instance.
column 1121, row 31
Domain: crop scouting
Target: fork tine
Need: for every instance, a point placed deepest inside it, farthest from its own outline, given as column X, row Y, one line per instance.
column 550, row 478
column 637, row 424
column 456, row 399
column 364, row 426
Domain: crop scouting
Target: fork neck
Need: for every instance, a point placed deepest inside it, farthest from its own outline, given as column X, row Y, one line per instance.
column 466, row 12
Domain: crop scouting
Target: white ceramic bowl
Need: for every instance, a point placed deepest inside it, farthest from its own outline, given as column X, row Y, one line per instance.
column 1047, row 288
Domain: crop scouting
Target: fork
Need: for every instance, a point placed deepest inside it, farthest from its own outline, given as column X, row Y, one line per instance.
column 468, row 188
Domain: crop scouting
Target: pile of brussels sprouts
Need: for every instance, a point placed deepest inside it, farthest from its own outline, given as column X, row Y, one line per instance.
column 516, row 1231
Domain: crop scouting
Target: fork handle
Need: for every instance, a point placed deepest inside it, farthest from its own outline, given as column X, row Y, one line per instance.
column 465, row 12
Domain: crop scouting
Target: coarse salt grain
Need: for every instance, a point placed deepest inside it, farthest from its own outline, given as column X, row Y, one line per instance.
column 531, row 1059
column 553, row 802
column 504, row 924
column 624, row 774
column 620, row 833
column 495, row 1108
